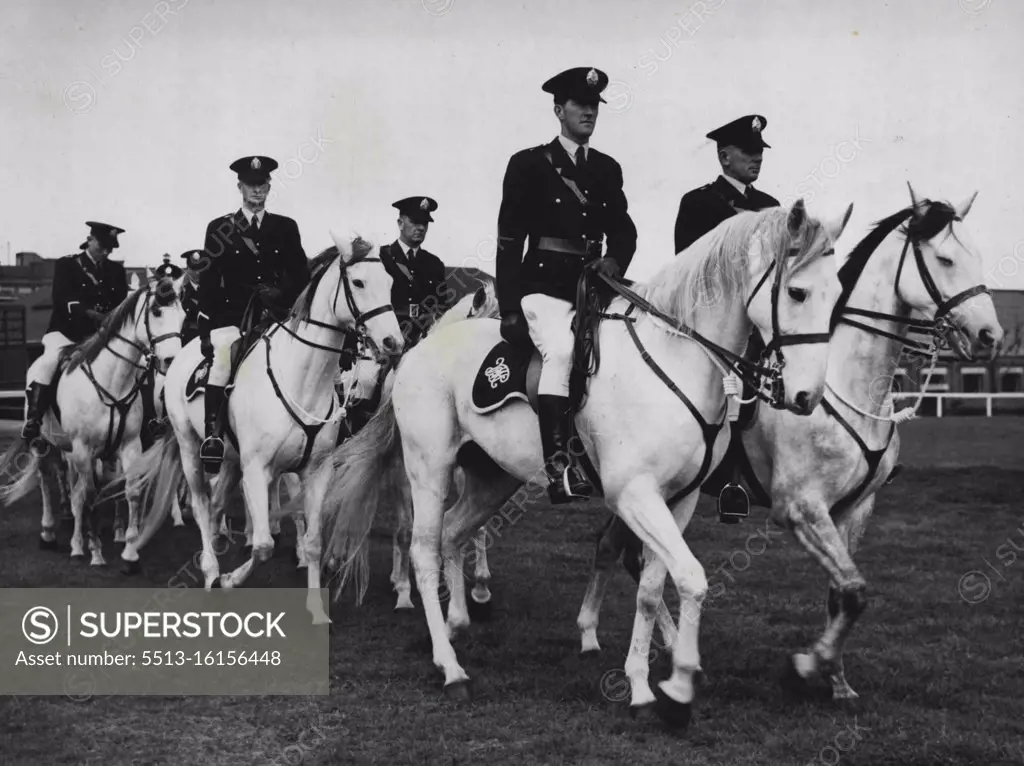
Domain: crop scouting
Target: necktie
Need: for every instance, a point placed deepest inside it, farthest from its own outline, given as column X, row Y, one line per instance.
column 255, row 225
column 581, row 158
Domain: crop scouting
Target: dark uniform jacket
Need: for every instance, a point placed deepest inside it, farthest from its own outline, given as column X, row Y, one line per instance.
column 536, row 202
column 190, row 303
column 701, row 210
column 419, row 291
column 79, row 284
column 236, row 264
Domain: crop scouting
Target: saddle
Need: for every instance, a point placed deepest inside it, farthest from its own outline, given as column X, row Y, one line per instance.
column 196, row 385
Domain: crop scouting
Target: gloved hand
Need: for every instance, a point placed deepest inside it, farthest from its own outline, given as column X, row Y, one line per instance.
column 95, row 316
column 206, row 346
column 607, row 266
column 268, row 294
column 514, row 328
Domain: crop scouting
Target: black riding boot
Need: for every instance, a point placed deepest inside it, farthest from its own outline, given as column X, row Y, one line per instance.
column 567, row 482
column 37, row 397
column 211, row 452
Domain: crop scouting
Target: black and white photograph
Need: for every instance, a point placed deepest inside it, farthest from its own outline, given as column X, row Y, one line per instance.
column 466, row 383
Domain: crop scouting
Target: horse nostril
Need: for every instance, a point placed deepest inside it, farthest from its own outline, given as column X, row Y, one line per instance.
column 986, row 337
column 390, row 344
column 802, row 400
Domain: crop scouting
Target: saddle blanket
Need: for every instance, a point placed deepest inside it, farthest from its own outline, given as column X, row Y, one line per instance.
column 196, row 384
column 507, row 372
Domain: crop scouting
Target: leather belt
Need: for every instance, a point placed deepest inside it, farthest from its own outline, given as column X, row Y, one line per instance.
column 582, row 247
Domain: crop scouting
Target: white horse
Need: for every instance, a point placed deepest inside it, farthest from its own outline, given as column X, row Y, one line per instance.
column 645, row 417
column 819, row 475
column 283, row 412
column 98, row 413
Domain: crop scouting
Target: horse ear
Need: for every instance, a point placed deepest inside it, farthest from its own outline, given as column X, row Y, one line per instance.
column 479, row 298
column 964, row 207
column 797, row 216
column 835, row 229
column 344, row 246
column 913, row 201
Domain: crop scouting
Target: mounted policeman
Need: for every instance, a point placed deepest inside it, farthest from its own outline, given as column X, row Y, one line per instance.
column 86, row 287
column 566, row 199
column 252, row 257
column 740, row 146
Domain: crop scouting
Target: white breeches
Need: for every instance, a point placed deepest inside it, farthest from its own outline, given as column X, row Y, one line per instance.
column 550, row 323
column 44, row 368
column 220, row 368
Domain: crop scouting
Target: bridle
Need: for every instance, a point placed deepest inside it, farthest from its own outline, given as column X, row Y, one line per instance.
column 770, row 386
column 148, row 353
column 940, row 325
column 359, row 318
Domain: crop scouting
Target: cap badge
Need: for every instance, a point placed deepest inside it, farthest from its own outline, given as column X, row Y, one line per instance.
column 425, row 204
column 255, row 164
column 756, row 125
column 592, row 78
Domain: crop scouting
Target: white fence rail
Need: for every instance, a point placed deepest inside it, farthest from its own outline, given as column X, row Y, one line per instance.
column 941, row 396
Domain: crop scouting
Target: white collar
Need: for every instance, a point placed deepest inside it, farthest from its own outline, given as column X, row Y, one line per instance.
column 249, row 214
column 739, row 185
column 570, row 147
column 406, row 249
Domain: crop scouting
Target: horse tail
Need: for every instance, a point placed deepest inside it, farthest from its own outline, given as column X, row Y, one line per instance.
column 156, row 476
column 23, row 465
column 368, row 475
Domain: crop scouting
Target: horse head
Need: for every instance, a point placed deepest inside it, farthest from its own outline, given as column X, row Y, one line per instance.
column 366, row 286
column 947, row 283
column 793, row 288
column 158, row 322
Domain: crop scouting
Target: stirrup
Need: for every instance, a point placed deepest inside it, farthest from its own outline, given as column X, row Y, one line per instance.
column 211, row 453
column 733, row 504
column 31, row 430
column 563, row 488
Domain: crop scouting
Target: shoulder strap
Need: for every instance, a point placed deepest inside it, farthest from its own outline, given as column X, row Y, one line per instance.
column 567, row 181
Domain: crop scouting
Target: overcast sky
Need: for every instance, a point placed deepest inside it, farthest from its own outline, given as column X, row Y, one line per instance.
column 130, row 111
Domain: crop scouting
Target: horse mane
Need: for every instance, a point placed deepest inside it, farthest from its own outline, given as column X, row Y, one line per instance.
column 87, row 351
column 319, row 265
column 718, row 261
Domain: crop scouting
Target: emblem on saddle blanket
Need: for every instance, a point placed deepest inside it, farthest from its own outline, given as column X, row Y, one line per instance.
column 196, row 384
column 507, row 372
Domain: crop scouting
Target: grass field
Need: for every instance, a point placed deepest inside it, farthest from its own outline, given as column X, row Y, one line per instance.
column 941, row 680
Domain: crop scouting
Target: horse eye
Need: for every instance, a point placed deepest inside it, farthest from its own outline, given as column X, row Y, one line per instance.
column 798, row 294
column 156, row 311
column 358, row 283
column 944, row 260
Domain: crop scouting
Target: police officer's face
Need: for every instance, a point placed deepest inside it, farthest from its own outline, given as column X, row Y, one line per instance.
column 412, row 232
column 254, row 196
column 96, row 249
column 578, row 120
column 742, row 164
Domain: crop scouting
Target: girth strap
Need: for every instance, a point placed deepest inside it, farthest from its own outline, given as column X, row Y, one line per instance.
column 872, row 457
column 710, row 431
column 310, row 431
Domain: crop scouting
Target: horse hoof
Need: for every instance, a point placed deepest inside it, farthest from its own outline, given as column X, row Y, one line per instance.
column 675, row 715
column 47, row 545
column 480, row 612
column 457, row 691
column 590, row 654
column 78, row 557
column 130, row 567
column 643, row 712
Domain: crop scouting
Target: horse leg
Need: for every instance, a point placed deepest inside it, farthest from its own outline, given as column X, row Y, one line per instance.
column 641, row 506
column 483, row 495
column 199, row 493
column 813, row 527
column 176, row 514
column 50, row 468
column 316, row 481
column 610, row 545
column 481, row 592
column 400, row 543
column 121, row 521
column 131, row 452
column 81, row 462
column 255, row 483
column 850, row 525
